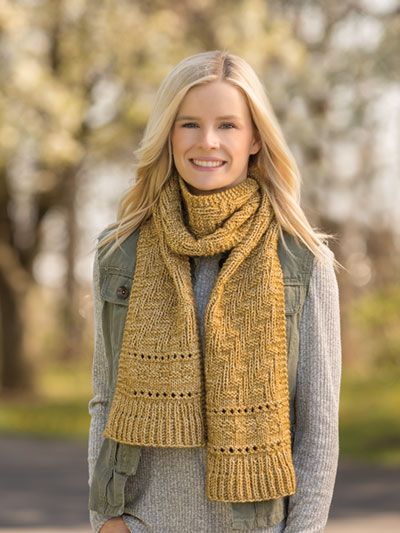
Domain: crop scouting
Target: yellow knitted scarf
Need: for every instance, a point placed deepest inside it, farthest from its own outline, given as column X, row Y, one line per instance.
column 238, row 406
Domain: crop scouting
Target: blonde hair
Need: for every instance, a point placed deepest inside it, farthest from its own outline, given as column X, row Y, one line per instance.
column 274, row 164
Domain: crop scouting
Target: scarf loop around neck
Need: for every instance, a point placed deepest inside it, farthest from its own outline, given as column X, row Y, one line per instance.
column 233, row 399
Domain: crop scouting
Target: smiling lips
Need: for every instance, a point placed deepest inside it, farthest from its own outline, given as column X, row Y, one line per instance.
column 208, row 163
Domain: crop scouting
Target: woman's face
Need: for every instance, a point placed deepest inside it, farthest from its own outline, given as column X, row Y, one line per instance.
column 213, row 137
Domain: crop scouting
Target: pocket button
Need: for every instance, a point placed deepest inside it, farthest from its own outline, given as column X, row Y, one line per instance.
column 122, row 292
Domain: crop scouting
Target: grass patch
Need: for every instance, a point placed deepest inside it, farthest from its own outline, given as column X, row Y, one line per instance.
column 45, row 418
column 369, row 420
column 58, row 408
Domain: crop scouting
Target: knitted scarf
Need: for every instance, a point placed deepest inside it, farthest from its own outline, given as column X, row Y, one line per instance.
column 234, row 398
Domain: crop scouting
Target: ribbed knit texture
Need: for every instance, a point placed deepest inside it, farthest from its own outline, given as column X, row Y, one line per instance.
column 240, row 411
column 167, row 492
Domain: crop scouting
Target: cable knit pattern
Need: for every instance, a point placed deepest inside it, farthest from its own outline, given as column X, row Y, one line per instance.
column 167, row 493
column 240, row 411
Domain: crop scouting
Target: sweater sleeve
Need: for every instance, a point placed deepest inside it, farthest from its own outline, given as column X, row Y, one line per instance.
column 98, row 403
column 316, row 440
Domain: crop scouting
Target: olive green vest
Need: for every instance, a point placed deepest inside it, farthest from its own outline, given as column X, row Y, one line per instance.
column 117, row 461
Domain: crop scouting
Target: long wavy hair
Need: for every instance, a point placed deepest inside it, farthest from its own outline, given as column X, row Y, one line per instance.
column 274, row 163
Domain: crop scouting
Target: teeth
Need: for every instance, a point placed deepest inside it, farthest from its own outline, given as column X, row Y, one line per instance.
column 207, row 163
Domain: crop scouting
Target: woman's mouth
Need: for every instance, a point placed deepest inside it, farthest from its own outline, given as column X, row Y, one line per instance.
column 202, row 164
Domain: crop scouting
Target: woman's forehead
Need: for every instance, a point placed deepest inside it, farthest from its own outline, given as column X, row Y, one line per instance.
column 218, row 98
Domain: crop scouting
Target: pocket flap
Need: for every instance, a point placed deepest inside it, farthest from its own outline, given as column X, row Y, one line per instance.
column 116, row 288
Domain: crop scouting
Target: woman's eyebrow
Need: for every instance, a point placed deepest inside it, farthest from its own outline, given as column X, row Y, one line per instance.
column 224, row 117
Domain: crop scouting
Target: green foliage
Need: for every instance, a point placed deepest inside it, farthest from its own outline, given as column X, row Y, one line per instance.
column 369, row 419
column 46, row 418
column 376, row 316
column 58, row 409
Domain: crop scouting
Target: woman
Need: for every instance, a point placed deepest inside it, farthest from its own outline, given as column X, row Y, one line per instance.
column 217, row 358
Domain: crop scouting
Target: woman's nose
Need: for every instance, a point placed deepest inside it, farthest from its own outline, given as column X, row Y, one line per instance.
column 209, row 138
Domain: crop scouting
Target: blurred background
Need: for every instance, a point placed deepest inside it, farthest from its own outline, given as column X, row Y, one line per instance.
column 77, row 82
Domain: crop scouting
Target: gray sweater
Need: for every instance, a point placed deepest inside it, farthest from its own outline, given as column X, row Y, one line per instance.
column 176, row 477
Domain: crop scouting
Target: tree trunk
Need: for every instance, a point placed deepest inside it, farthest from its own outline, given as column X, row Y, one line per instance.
column 14, row 284
column 14, row 374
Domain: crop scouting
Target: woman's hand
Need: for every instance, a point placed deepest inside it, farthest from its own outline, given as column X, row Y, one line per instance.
column 114, row 525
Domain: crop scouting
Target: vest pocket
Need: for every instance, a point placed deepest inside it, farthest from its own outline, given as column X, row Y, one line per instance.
column 115, row 463
column 125, row 464
column 116, row 287
column 115, row 490
column 101, row 476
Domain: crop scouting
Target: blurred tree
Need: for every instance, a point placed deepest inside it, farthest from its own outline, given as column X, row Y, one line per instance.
column 335, row 106
column 14, row 281
column 78, row 80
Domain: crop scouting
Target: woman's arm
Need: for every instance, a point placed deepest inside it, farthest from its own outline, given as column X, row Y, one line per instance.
column 316, row 442
column 98, row 404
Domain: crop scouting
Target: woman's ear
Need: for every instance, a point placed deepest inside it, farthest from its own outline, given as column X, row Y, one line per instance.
column 256, row 143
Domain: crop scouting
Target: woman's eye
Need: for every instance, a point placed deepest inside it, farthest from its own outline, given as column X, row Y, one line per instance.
column 224, row 125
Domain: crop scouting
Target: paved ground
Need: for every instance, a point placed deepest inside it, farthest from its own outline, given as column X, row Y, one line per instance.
column 366, row 499
column 43, row 489
column 43, row 484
